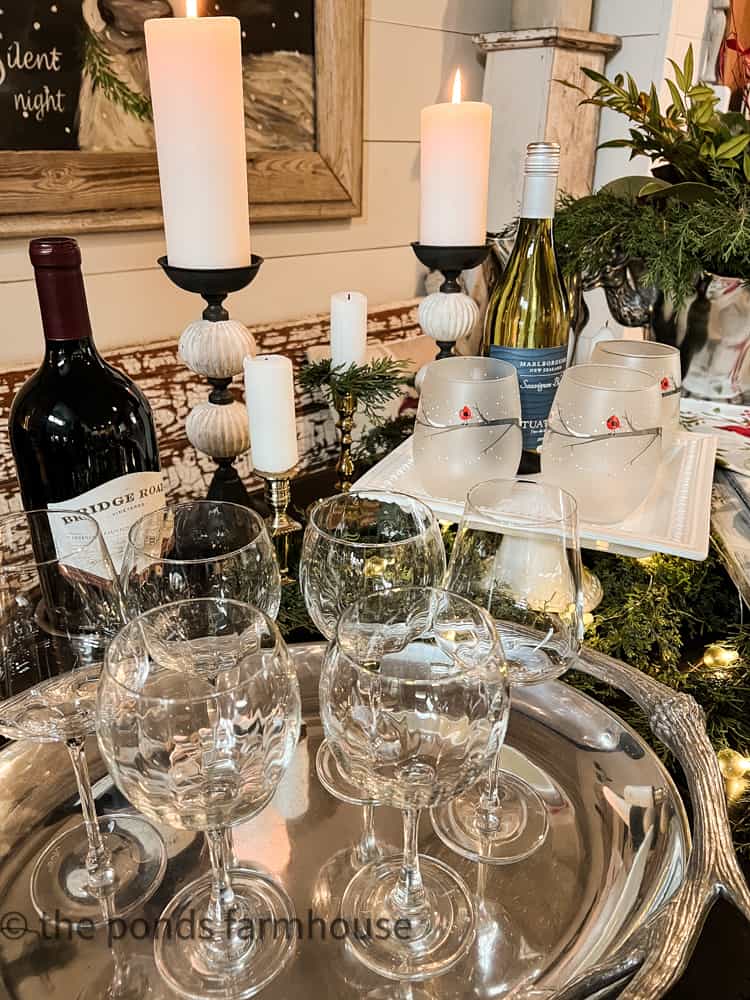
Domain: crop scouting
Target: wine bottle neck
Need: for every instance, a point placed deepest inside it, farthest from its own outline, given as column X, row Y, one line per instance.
column 62, row 301
column 539, row 193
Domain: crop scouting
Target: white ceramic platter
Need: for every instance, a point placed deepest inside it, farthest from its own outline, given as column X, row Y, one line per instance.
column 673, row 519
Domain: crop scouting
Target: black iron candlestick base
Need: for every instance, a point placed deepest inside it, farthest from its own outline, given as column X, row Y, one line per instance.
column 446, row 320
column 215, row 347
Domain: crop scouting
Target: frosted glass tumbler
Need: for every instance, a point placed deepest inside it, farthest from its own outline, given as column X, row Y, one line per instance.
column 468, row 425
column 657, row 359
column 603, row 443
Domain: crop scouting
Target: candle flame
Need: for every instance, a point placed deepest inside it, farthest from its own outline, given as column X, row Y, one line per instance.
column 191, row 8
column 457, row 87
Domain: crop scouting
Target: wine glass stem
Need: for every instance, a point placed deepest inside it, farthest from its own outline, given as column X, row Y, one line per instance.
column 222, row 900
column 491, row 799
column 367, row 848
column 101, row 874
column 409, row 894
column 225, row 914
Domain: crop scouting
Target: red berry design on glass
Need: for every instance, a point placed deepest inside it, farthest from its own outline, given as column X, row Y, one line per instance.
column 613, row 423
column 465, row 413
column 665, row 384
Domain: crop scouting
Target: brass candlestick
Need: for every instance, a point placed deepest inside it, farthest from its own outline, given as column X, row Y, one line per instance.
column 346, row 406
column 278, row 493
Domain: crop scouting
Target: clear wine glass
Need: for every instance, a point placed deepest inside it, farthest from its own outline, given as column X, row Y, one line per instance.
column 200, row 548
column 198, row 717
column 516, row 554
column 415, row 701
column 60, row 604
column 356, row 544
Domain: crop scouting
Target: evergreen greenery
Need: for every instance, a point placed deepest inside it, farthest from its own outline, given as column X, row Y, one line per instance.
column 98, row 65
column 693, row 216
column 372, row 385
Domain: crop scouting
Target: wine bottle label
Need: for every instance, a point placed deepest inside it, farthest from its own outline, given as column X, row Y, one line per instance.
column 539, row 373
column 115, row 506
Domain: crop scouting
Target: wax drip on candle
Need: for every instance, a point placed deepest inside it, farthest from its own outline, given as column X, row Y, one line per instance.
column 456, row 99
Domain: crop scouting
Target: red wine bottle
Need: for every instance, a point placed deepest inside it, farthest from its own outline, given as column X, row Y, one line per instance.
column 81, row 432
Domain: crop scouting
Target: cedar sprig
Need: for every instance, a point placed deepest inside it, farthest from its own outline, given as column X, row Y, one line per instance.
column 372, row 385
column 98, row 65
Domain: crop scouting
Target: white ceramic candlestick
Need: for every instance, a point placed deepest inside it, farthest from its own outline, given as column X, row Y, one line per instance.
column 348, row 329
column 195, row 72
column 455, row 158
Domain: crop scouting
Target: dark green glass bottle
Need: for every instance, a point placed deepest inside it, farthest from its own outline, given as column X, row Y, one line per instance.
column 527, row 319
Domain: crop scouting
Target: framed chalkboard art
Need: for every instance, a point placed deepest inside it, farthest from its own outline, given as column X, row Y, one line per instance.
column 76, row 136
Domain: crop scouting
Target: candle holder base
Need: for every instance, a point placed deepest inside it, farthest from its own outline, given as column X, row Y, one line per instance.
column 214, row 348
column 449, row 314
column 345, row 406
column 278, row 491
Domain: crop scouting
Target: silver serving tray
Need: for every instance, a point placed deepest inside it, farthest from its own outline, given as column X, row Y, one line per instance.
column 610, row 905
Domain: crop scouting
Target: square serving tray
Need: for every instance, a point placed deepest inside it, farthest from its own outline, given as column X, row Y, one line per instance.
column 674, row 518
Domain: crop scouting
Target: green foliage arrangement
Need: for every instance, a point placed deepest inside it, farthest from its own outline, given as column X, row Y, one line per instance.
column 98, row 65
column 372, row 385
column 693, row 215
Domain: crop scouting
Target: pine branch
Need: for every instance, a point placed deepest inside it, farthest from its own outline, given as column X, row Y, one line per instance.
column 97, row 63
column 372, row 385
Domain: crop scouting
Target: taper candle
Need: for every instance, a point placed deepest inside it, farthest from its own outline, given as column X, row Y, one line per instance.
column 348, row 329
column 195, row 72
column 455, row 162
column 269, row 395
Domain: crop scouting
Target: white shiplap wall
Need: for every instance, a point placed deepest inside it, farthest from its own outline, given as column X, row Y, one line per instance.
column 411, row 51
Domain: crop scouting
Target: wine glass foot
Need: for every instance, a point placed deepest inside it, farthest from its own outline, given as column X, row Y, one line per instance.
column 261, row 926
column 418, row 947
column 334, row 782
column 60, row 888
column 513, row 833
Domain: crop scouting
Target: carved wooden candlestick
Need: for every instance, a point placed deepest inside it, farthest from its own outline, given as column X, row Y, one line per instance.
column 215, row 347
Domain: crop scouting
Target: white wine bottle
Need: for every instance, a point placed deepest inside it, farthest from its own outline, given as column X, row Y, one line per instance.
column 527, row 319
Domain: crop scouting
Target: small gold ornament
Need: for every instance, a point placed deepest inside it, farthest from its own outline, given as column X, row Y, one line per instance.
column 718, row 657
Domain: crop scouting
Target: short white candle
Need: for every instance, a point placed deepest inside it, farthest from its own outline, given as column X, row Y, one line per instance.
column 455, row 162
column 348, row 329
column 269, row 395
column 195, row 72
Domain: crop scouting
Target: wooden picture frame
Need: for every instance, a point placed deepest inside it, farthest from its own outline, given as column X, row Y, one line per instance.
column 114, row 192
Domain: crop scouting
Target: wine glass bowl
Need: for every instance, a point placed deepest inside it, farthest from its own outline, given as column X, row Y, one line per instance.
column 660, row 360
column 360, row 543
column 603, row 442
column 198, row 717
column 414, row 703
column 60, row 604
column 468, row 425
column 200, row 548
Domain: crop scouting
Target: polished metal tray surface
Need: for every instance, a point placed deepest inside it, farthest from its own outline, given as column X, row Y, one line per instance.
column 559, row 924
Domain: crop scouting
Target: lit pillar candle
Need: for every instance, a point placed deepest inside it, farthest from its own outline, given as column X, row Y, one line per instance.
column 195, row 71
column 269, row 394
column 348, row 329
column 455, row 162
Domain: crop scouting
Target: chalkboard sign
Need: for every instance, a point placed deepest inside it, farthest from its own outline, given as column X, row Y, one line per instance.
column 41, row 65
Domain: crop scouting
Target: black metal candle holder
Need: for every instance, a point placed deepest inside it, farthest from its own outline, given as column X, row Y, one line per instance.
column 214, row 285
column 450, row 261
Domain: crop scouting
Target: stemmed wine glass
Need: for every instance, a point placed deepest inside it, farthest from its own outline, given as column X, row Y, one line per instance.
column 415, row 702
column 60, row 604
column 516, row 554
column 198, row 717
column 200, row 548
column 356, row 544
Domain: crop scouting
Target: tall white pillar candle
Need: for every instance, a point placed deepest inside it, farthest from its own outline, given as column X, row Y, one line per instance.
column 348, row 329
column 269, row 395
column 455, row 163
column 195, row 71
